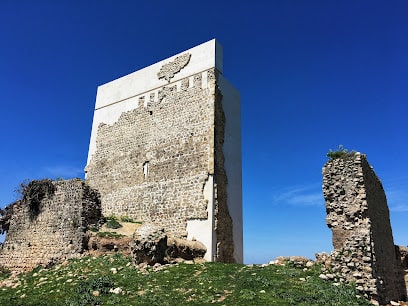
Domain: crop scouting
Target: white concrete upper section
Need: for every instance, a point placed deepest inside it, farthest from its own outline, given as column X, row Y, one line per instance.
column 203, row 57
column 123, row 94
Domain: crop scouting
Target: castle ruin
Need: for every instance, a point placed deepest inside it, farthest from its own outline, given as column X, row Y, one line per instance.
column 358, row 215
column 165, row 148
column 53, row 231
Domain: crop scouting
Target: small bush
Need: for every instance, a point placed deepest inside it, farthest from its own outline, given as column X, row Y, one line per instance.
column 340, row 153
column 94, row 229
column 34, row 192
column 113, row 223
column 85, row 289
column 4, row 272
column 127, row 219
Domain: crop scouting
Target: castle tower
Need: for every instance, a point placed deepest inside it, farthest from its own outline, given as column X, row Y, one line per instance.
column 166, row 148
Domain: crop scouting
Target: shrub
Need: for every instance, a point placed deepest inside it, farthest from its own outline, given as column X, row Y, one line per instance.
column 85, row 289
column 126, row 219
column 34, row 192
column 4, row 272
column 113, row 223
column 340, row 153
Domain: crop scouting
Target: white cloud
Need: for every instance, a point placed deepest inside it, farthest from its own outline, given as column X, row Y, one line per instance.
column 396, row 190
column 397, row 200
column 309, row 195
column 399, row 208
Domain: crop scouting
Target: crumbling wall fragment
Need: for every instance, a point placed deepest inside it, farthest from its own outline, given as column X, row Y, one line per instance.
column 58, row 230
column 357, row 213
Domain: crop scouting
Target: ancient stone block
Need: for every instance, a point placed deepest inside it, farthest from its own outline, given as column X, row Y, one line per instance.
column 149, row 245
column 186, row 249
column 357, row 213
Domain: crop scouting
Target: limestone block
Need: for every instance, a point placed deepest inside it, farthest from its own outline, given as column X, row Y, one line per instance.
column 149, row 245
column 186, row 249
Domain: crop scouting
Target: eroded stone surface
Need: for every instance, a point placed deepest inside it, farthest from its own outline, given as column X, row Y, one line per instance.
column 58, row 231
column 186, row 249
column 168, row 70
column 357, row 213
column 152, row 156
column 149, row 245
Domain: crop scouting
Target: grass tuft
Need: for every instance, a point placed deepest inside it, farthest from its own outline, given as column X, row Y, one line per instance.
column 112, row 222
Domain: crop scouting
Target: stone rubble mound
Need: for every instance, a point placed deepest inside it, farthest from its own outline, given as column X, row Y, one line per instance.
column 185, row 249
column 149, row 245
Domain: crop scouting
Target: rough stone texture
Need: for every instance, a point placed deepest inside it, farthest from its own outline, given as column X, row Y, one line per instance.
column 358, row 215
column 58, row 232
column 186, row 249
column 102, row 245
column 223, row 222
column 149, row 245
column 152, row 164
column 402, row 255
column 168, row 70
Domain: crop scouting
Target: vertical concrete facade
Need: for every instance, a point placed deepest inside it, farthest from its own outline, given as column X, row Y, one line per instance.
column 165, row 148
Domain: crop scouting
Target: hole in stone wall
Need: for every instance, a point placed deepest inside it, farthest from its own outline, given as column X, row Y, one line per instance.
column 146, row 169
column 151, row 112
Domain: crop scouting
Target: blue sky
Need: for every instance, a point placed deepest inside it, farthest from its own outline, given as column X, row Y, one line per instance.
column 312, row 75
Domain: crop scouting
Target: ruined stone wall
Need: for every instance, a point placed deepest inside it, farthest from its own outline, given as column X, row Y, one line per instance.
column 175, row 137
column 223, row 221
column 159, row 140
column 56, row 233
column 358, row 215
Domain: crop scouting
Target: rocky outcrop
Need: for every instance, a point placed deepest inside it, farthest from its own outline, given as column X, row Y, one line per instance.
column 357, row 213
column 149, row 245
column 103, row 245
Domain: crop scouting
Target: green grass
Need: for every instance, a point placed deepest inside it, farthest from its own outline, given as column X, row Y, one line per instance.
column 181, row 284
column 128, row 219
column 109, row 235
column 112, row 222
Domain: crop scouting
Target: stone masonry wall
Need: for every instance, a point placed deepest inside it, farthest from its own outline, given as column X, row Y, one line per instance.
column 223, row 221
column 56, row 233
column 358, row 216
column 152, row 164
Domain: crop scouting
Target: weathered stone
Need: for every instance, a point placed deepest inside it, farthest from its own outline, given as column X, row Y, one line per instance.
column 358, row 215
column 158, row 149
column 102, row 245
column 149, row 245
column 58, row 230
column 117, row 290
column 185, row 249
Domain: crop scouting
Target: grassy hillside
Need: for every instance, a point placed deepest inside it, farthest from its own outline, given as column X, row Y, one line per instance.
column 89, row 280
